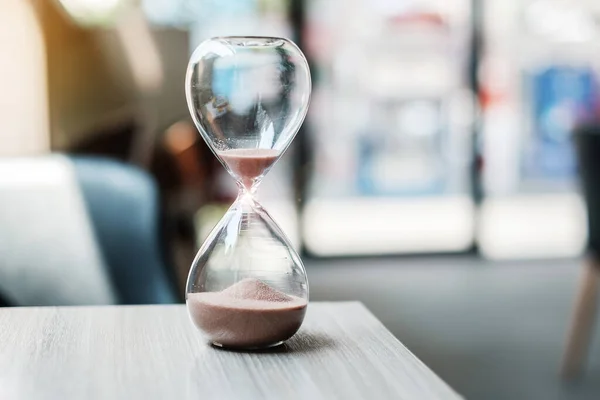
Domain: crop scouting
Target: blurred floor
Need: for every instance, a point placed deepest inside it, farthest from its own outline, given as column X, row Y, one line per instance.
column 492, row 330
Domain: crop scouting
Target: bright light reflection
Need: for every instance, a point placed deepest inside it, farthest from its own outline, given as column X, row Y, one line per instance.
column 91, row 11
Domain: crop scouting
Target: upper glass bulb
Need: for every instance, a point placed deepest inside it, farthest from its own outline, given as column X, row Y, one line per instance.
column 248, row 97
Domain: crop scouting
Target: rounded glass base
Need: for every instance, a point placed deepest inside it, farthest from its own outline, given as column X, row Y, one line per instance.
column 251, row 348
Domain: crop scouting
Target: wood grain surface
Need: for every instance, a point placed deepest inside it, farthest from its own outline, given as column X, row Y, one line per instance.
column 153, row 352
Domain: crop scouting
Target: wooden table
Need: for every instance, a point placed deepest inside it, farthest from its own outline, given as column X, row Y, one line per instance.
column 153, row 352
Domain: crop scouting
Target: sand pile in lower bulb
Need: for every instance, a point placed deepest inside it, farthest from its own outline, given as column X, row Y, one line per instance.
column 249, row 313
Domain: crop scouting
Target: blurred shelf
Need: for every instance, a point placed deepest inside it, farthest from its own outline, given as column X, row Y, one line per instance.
column 387, row 225
column 532, row 226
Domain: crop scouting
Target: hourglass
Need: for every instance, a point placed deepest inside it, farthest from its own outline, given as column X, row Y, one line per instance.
column 248, row 96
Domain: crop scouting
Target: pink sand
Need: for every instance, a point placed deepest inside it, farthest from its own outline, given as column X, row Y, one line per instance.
column 248, row 314
column 249, row 164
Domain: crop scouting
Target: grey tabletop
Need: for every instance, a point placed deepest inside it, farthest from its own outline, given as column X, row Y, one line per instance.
column 153, row 352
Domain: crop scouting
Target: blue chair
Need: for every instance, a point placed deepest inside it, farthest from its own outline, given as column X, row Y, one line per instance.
column 80, row 230
column 123, row 205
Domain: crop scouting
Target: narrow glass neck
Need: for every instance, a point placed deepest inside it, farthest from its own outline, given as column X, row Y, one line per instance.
column 246, row 207
column 244, row 189
column 246, row 196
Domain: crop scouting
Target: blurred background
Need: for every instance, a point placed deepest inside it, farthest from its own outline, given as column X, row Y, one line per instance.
column 435, row 178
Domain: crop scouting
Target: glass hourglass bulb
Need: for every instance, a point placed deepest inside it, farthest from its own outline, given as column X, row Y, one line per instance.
column 248, row 96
